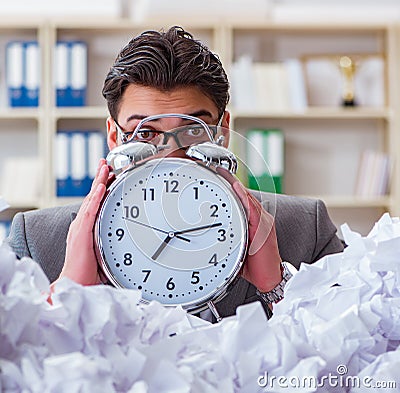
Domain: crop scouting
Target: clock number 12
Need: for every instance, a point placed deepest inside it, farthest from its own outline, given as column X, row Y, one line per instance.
column 171, row 186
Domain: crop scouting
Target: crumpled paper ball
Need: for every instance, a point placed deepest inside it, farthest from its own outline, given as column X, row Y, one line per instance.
column 338, row 325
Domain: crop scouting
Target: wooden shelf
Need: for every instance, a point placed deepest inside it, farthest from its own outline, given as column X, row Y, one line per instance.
column 20, row 113
column 85, row 112
column 318, row 113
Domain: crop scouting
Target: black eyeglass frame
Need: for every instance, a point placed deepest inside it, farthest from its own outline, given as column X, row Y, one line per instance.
column 211, row 130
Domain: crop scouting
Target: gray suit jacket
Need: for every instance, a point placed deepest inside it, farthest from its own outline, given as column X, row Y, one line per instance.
column 304, row 230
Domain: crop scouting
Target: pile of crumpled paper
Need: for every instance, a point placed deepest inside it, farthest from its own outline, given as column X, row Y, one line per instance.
column 337, row 330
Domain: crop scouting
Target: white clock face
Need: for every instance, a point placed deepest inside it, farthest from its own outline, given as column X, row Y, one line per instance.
column 173, row 229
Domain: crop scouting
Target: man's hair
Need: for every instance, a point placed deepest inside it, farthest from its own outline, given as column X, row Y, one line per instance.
column 165, row 61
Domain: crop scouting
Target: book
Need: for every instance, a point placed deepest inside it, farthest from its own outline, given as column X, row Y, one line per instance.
column 373, row 175
column 269, row 86
column 265, row 159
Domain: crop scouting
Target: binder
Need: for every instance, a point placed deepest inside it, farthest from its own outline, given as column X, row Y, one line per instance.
column 78, row 157
column 78, row 73
column 61, row 73
column 77, row 153
column 15, row 73
column 96, row 149
column 70, row 70
column 61, row 164
column 23, row 73
column 265, row 159
column 32, row 73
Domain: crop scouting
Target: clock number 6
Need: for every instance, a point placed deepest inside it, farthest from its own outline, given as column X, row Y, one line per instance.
column 170, row 284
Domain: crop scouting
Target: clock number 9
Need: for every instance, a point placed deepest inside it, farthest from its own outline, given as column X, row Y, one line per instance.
column 120, row 233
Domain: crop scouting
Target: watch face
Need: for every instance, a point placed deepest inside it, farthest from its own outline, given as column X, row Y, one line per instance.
column 174, row 230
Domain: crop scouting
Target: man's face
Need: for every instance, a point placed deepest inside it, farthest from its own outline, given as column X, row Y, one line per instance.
column 139, row 102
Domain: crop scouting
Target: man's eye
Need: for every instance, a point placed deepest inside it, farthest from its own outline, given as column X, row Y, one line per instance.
column 195, row 131
column 146, row 135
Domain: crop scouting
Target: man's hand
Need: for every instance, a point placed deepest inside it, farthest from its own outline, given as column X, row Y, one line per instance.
column 80, row 259
column 262, row 266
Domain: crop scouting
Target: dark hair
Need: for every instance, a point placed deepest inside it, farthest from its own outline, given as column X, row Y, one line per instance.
column 165, row 61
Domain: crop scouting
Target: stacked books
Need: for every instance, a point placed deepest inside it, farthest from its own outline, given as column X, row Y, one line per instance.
column 268, row 87
column 373, row 178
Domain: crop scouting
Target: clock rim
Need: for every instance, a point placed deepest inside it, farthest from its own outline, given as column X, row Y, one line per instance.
column 201, row 303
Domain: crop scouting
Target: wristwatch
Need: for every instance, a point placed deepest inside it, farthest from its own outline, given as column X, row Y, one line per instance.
column 276, row 294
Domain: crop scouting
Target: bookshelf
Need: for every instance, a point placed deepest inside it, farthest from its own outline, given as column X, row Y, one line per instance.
column 323, row 142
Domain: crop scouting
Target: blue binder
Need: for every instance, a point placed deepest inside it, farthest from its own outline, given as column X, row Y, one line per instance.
column 23, row 73
column 32, row 73
column 77, row 154
column 62, row 164
column 71, row 73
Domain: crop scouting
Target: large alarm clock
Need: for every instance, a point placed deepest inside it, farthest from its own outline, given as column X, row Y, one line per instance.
column 172, row 227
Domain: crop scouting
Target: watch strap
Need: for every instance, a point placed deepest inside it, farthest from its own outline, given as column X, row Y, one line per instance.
column 277, row 294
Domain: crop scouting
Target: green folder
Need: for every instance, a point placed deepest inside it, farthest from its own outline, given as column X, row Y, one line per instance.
column 265, row 159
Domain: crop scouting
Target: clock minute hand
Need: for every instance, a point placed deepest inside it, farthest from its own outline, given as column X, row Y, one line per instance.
column 176, row 234
column 217, row 224
column 154, row 228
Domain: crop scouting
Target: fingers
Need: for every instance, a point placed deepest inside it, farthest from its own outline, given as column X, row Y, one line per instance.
column 102, row 177
column 261, row 223
column 238, row 187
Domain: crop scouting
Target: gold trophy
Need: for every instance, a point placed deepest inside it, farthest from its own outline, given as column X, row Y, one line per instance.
column 348, row 68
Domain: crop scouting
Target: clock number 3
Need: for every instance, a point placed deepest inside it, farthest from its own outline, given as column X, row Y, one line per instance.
column 222, row 235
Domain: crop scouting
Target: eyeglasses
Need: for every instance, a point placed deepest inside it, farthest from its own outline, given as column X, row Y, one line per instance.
column 184, row 136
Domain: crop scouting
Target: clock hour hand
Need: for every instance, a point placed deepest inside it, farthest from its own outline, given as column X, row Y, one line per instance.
column 156, row 229
column 163, row 245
